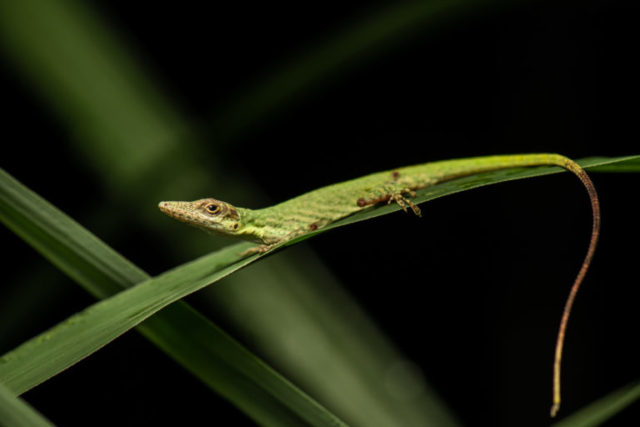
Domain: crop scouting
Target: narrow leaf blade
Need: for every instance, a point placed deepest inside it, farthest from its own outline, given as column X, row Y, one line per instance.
column 608, row 164
column 601, row 410
column 93, row 328
column 15, row 412
column 196, row 343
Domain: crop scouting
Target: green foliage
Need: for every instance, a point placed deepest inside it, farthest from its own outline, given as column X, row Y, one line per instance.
column 100, row 269
column 602, row 410
column 15, row 412
column 619, row 164
column 128, row 134
column 210, row 354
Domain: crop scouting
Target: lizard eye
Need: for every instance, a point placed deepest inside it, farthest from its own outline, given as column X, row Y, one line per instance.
column 212, row 208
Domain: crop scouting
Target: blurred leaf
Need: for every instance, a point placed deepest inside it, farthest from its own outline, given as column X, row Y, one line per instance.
column 129, row 132
column 15, row 412
column 209, row 353
column 600, row 411
column 115, row 110
column 84, row 333
column 78, row 67
column 373, row 34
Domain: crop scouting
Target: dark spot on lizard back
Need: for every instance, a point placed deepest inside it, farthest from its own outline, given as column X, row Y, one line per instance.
column 313, row 227
column 395, row 175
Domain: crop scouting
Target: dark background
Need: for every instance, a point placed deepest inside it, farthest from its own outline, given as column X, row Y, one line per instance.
column 473, row 291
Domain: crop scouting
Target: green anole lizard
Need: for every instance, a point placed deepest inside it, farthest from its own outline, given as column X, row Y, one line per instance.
column 276, row 225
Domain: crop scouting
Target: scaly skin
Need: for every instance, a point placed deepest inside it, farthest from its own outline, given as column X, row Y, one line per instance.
column 279, row 224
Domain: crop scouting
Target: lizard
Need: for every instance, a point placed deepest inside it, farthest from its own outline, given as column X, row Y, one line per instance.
column 278, row 224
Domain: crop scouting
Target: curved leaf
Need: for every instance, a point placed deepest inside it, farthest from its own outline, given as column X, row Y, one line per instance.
column 607, row 164
column 15, row 412
column 601, row 410
column 214, row 357
column 64, row 241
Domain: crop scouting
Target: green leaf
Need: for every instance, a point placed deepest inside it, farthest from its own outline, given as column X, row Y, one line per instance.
column 379, row 29
column 85, row 258
column 15, row 412
column 215, row 358
column 606, row 164
column 601, row 410
column 630, row 165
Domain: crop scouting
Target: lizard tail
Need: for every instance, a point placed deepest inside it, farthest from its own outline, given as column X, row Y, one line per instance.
column 595, row 207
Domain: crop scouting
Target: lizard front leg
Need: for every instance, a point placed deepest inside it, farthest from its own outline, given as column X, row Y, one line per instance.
column 391, row 194
column 261, row 249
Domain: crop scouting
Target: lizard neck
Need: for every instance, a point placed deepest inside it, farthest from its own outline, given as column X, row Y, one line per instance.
column 260, row 226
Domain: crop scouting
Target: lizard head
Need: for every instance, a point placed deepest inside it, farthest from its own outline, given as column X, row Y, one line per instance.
column 210, row 215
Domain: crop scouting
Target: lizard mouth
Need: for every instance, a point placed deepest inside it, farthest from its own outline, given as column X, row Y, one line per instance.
column 164, row 207
column 174, row 210
column 168, row 208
